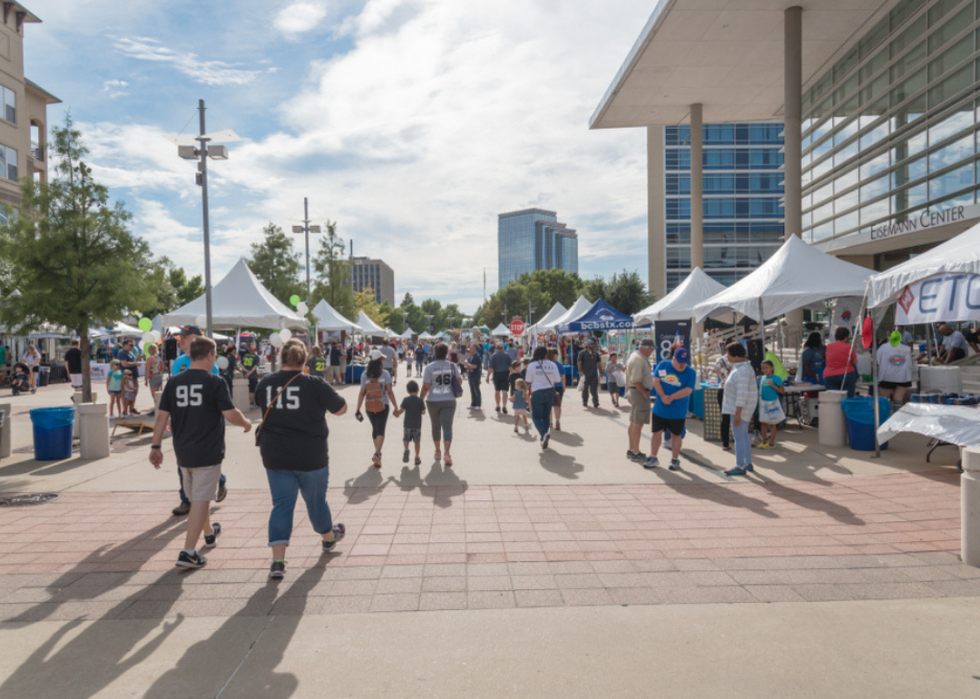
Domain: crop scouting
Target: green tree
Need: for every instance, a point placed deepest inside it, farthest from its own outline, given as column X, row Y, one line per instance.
column 185, row 289
column 70, row 254
column 627, row 293
column 396, row 318
column 332, row 277
column 552, row 286
column 173, row 288
column 407, row 301
column 276, row 264
column 364, row 301
column 415, row 318
column 595, row 289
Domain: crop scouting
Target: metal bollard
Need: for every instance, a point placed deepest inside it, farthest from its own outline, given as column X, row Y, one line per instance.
column 970, row 507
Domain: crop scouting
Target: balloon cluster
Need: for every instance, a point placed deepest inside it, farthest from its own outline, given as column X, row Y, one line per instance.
column 279, row 339
column 301, row 306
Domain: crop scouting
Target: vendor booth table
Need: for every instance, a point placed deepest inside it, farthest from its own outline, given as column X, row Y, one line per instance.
column 954, row 425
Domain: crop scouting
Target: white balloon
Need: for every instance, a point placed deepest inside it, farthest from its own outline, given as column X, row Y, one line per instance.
column 156, row 335
column 222, row 363
column 148, row 338
column 276, row 341
column 285, row 334
column 302, row 308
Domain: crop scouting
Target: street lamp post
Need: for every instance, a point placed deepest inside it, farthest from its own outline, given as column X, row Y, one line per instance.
column 429, row 318
column 307, row 229
column 201, row 154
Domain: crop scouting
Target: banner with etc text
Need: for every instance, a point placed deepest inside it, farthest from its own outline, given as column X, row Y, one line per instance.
column 669, row 334
column 947, row 297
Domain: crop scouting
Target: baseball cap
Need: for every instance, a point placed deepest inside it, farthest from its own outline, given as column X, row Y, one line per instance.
column 376, row 354
column 190, row 330
column 680, row 354
column 646, row 342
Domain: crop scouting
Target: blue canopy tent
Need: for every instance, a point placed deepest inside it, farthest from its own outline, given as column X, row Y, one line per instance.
column 600, row 316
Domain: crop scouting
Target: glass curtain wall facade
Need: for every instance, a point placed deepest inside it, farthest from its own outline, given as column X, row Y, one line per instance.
column 890, row 130
column 533, row 239
column 742, row 211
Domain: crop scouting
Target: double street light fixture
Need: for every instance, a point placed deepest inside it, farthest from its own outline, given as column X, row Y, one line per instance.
column 204, row 150
column 307, row 229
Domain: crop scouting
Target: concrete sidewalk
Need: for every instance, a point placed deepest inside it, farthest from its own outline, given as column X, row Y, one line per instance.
column 572, row 572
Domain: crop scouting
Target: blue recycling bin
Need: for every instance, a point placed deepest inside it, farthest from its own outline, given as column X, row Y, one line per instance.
column 52, row 433
column 860, row 415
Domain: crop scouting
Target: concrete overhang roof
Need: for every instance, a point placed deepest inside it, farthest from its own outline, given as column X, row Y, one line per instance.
column 728, row 56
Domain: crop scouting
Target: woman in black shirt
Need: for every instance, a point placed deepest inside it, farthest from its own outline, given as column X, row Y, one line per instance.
column 293, row 444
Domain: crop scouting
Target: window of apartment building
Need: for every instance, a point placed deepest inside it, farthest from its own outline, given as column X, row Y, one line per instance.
column 9, row 98
column 8, row 162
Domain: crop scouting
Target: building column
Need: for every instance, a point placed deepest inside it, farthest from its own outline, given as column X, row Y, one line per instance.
column 792, row 98
column 697, row 188
column 792, row 136
column 656, row 231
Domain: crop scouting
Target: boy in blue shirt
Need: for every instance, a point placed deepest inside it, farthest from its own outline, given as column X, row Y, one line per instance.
column 673, row 381
column 770, row 409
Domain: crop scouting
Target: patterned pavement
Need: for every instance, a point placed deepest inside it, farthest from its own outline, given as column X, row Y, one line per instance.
column 110, row 555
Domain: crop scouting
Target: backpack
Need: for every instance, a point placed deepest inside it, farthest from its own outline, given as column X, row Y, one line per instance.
column 374, row 393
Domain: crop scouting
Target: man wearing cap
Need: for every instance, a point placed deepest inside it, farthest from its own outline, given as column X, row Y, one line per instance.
column 588, row 371
column 185, row 337
column 639, row 378
column 674, row 381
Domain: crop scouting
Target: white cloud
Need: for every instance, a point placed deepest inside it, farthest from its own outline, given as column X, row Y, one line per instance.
column 300, row 17
column 114, row 88
column 205, row 72
column 441, row 116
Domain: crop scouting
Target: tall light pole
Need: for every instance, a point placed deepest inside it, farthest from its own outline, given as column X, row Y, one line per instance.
column 307, row 229
column 201, row 154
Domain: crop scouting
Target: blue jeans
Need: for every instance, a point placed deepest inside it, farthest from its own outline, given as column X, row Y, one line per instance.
column 842, row 382
column 183, row 496
column 743, row 443
column 542, row 401
column 284, row 486
column 476, row 395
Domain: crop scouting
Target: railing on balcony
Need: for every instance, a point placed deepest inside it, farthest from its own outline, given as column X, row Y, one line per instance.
column 37, row 151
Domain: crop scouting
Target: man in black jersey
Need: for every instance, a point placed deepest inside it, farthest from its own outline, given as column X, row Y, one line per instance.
column 197, row 404
column 250, row 370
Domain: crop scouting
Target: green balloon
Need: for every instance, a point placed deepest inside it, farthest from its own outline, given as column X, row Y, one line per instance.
column 146, row 325
column 294, row 299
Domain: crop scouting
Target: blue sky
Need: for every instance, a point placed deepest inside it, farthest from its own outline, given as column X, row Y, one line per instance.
column 410, row 122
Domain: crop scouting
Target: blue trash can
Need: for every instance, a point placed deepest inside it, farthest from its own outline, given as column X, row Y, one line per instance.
column 52, row 433
column 860, row 414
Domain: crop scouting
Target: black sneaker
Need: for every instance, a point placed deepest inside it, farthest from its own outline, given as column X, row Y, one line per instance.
column 278, row 570
column 210, row 540
column 675, row 465
column 635, row 455
column 185, row 560
column 338, row 533
column 498, row 408
column 504, row 410
column 181, row 509
column 405, row 456
column 222, row 492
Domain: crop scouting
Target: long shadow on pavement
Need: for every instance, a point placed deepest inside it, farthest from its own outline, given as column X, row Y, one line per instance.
column 698, row 488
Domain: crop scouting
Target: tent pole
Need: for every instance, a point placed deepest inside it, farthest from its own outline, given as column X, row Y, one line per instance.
column 874, row 392
column 929, row 341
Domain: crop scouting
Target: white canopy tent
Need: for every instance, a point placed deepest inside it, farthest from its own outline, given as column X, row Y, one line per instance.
column 500, row 331
column 679, row 304
column 327, row 318
column 797, row 275
column 556, row 312
column 122, row 329
column 425, row 336
column 368, row 326
column 577, row 310
column 407, row 335
column 239, row 300
column 961, row 255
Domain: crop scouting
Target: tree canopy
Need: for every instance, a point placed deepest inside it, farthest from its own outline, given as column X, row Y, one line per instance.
column 332, row 278
column 70, row 254
column 277, row 265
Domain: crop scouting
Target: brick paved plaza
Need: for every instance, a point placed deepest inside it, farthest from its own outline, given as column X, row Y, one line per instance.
column 815, row 542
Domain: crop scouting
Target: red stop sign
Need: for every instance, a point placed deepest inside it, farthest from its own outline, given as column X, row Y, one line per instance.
column 517, row 327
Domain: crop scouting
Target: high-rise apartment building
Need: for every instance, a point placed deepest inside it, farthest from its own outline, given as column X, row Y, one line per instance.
column 533, row 239
column 23, row 109
column 376, row 275
column 742, row 213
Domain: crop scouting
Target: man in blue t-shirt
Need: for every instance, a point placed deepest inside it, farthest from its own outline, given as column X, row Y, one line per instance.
column 185, row 337
column 673, row 381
